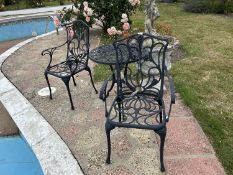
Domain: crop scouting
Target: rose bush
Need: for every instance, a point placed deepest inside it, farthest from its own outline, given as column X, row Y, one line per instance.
column 109, row 11
column 78, row 11
column 105, row 13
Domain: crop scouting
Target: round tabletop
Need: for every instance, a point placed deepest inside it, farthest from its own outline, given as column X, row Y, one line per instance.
column 105, row 54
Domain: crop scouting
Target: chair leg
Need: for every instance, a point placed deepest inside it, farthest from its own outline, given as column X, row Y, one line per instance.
column 47, row 80
column 74, row 80
column 160, row 115
column 108, row 128
column 162, row 134
column 120, row 109
column 113, row 80
column 89, row 71
column 66, row 81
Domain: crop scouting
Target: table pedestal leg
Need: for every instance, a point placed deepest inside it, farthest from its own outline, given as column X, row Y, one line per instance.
column 113, row 79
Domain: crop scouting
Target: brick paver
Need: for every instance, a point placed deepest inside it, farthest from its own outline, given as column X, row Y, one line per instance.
column 193, row 166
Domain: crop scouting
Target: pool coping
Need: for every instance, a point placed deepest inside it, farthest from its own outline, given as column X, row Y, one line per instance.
column 33, row 10
column 27, row 17
column 51, row 151
column 29, row 13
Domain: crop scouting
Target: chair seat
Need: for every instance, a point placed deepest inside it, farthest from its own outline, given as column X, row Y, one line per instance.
column 154, row 90
column 138, row 111
column 66, row 68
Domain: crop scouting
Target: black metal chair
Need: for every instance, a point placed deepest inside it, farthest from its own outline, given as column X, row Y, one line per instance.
column 77, row 55
column 139, row 98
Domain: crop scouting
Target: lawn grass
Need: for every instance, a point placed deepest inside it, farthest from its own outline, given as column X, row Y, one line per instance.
column 22, row 5
column 204, row 78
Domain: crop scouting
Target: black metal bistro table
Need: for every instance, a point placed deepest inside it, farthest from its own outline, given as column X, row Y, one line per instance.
column 106, row 54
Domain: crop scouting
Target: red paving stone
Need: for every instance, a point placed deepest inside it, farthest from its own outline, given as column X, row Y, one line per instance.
column 98, row 115
column 120, row 170
column 184, row 137
column 179, row 109
column 194, row 166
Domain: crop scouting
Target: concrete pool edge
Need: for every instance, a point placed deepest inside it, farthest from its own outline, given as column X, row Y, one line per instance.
column 16, row 14
column 51, row 151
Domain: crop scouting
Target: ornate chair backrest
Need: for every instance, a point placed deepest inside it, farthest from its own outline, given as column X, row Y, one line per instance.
column 78, row 41
column 140, row 65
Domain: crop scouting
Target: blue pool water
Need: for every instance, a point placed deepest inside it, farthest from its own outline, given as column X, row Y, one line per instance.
column 25, row 28
column 17, row 158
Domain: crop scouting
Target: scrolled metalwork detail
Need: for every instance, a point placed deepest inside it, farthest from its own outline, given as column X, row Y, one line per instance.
column 137, row 110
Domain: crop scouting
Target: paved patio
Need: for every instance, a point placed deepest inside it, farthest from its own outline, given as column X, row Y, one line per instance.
column 135, row 152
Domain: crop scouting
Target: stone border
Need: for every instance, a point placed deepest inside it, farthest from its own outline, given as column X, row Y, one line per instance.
column 29, row 13
column 51, row 151
column 23, row 17
column 33, row 11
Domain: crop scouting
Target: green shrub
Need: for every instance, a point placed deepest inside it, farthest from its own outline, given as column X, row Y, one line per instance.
column 228, row 6
column 4, row 3
column 1, row 5
column 9, row 2
column 169, row 1
column 197, row 6
column 34, row 3
column 209, row 6
column 61, row 2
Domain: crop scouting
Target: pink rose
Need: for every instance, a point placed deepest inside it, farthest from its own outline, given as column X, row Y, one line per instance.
column 109, row 31
column 85, row 14
column 89, row 12
column 124, row 15
column 126, row 26
column 123, row 20
column 119, row 32
column 56, row 21
column 86, row 8
column 85, row 3
column 113, row 29
column 134, row 2
column 88, row 18
column 76, row 11
column 71, row 33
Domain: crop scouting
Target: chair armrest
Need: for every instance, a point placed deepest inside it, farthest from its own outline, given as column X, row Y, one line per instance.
column 103, row 90
column 172, row 92
column 50, row 52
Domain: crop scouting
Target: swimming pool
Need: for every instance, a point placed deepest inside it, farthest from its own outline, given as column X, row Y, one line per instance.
column 16, row 157
column 25, row 28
